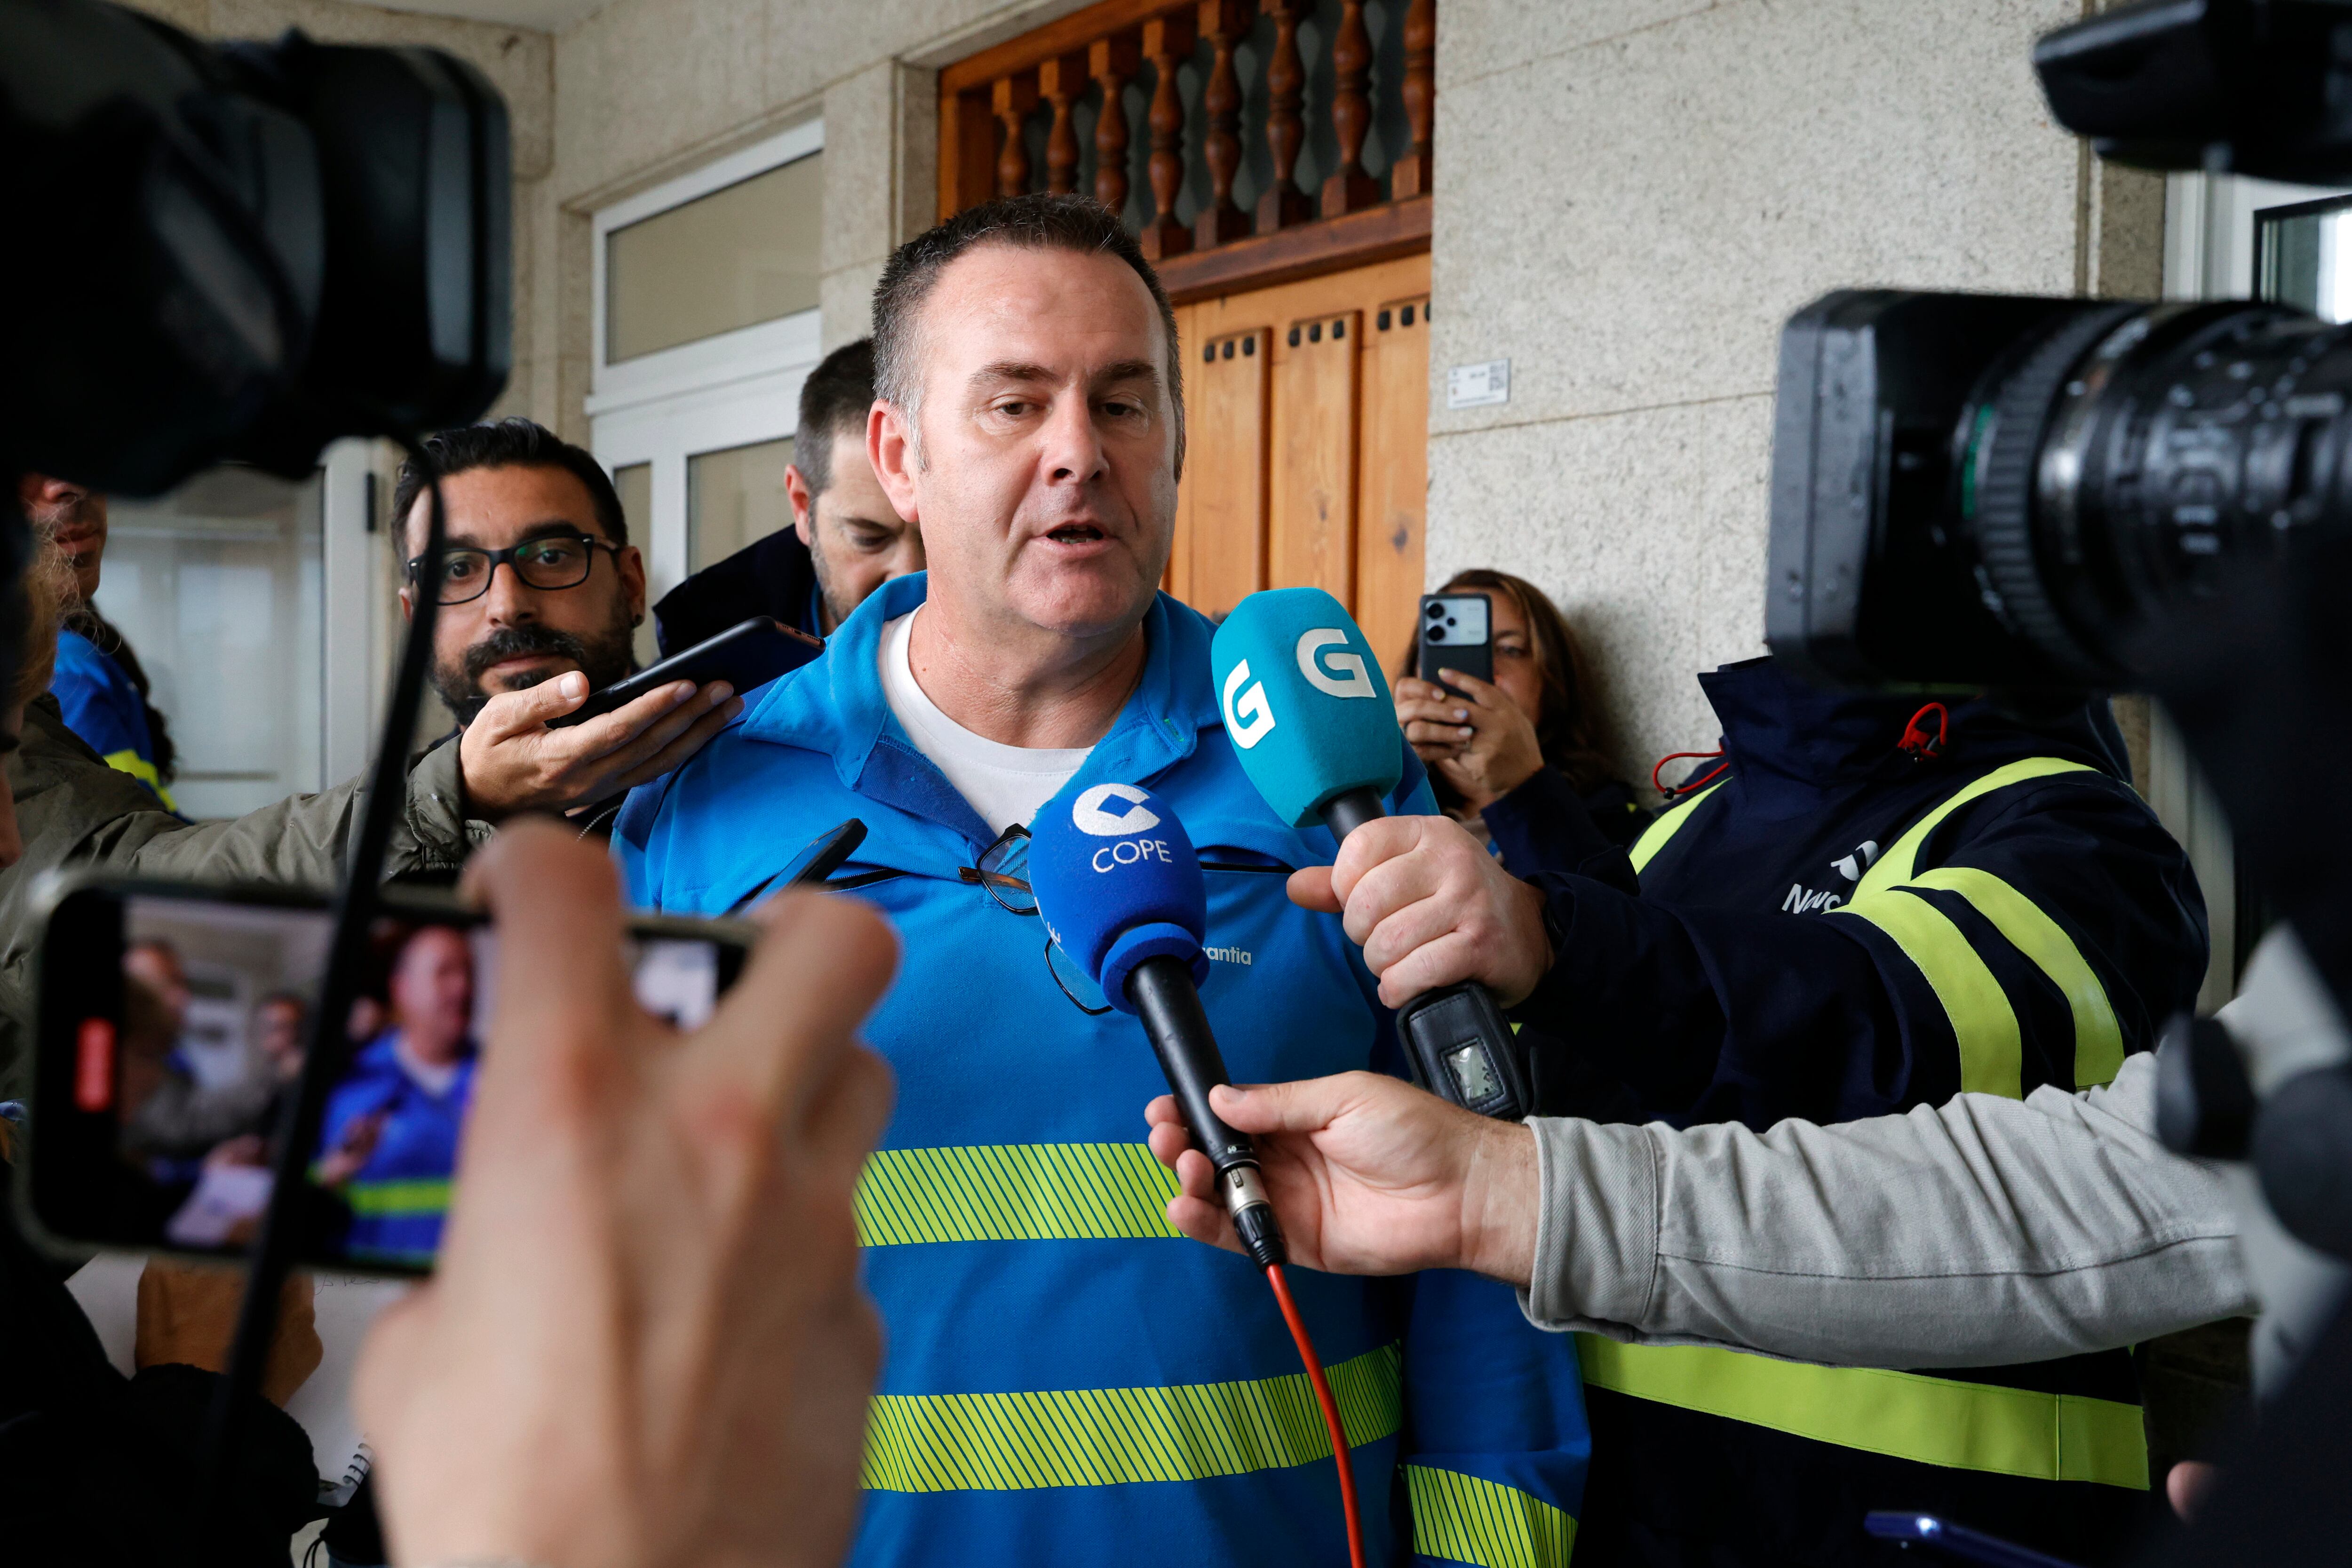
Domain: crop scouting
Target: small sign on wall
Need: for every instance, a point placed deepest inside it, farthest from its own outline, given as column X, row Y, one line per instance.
column 1478, row 385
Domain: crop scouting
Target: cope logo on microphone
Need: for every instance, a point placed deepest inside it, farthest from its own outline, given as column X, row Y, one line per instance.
column 1090, row 815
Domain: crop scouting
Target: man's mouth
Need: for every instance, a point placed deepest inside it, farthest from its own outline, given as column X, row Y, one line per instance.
column 1078, row 533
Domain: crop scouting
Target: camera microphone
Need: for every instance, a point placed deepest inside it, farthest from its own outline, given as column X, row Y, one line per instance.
column 1122, row 892
column 1314, row 729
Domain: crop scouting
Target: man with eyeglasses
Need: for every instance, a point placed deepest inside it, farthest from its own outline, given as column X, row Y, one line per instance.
column 541, row 594
column 1063, row 1384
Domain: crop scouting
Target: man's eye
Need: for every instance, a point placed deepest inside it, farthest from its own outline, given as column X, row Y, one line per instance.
column 555, row 554
column 459, row 568
column 1015, row 408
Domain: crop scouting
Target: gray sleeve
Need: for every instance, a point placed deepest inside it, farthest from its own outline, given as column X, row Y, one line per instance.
column 1981, row 1232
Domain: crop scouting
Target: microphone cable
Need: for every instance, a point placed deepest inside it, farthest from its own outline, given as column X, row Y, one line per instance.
column 1340, row 1454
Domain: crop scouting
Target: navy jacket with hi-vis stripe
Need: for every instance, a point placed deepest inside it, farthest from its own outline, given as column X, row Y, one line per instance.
column 1835, row 928
column 1066, row 1379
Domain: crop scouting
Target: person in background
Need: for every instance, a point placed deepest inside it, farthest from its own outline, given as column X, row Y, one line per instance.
column 1519, row 762
column 544, row 592
column 96, row 1467
column 391, row 1128
column 845, row 540
column 100, row 684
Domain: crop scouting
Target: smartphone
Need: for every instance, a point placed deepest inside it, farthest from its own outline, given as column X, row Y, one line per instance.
column 1456, row 633
column 747, row 654
column 1957, row 1541
column 174, row 1036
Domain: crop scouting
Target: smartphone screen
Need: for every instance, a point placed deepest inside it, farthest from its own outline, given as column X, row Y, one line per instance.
column 175, row 1033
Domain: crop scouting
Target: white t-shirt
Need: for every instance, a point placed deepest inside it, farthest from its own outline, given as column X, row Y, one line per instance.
column 1004, row 783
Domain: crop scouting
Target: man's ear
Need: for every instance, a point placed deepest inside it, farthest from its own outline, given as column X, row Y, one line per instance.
column 803, row 504
column 407, row 604
column 630, row 565
column 893, row 456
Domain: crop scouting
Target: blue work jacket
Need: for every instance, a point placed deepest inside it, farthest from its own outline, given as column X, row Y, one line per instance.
column 400, row 1198
column 1067, row 1380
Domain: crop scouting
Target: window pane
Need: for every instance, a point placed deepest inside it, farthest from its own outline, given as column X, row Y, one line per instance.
column 732, row 259
column 636, row 484
column 733, row 497
column 2305, row 258
column 218, row 589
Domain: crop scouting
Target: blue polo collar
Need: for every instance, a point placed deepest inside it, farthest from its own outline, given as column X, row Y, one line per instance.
column 835, row 705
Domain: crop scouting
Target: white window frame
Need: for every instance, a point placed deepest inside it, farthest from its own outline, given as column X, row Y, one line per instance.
column 746, row 350
column 731, row 390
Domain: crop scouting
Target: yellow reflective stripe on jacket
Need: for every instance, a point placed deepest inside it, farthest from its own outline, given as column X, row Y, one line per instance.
column 1927, row 1420
column 1015, row 1192
column 1984, row 1026
column 1110, row 1436
column 1983, row 1020
column 1896, row 866
column 1468, row 1518
column 127, row 761
column 1669, row 823
column 394, row 1199
column 2098, row 1037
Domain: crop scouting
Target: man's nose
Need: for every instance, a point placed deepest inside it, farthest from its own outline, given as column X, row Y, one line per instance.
column 59, row 492
column 510, row 600
column 1074, row 449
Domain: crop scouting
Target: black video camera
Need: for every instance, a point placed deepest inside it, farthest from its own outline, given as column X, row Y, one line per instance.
column 2070, row 495
column 239, row 252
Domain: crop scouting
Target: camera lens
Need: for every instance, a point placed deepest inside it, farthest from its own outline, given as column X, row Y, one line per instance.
column 1436, row 612
column 1436, row 634
column 2002, row 491
column 2117, row 465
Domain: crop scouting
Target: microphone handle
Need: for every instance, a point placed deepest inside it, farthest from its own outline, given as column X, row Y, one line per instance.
column 1456, row 1041
column 1170, row 1004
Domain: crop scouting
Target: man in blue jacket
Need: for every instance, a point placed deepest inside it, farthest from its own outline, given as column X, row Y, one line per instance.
column 1066, row 1382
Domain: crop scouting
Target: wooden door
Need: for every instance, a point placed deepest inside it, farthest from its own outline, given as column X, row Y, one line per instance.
column 1307, row 408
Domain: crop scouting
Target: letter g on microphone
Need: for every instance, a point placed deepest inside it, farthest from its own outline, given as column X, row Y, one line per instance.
column 1341, row 674
column 1249, row 719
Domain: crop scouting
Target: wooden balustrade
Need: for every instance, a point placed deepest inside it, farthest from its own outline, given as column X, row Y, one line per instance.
column 989, row 105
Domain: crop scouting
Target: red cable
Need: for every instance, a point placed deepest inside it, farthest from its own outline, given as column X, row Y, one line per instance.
column 1686, row 784
column 1330, row 1410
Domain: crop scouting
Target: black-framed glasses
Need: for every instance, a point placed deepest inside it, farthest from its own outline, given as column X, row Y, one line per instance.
column 1004, row 874
column 551, row 562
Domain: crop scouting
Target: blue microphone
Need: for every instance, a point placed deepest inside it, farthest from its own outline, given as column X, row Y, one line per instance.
column 1122, row 894
column 1313, row 726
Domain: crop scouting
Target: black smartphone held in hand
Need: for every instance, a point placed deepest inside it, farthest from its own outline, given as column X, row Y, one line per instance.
column 174, row 1035
column 747, row 654
column 1456, row 633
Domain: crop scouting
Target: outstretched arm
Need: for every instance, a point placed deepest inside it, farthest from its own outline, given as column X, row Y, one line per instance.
column 1984, row 1231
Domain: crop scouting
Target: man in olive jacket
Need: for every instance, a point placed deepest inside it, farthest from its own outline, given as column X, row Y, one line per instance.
column 537, row 607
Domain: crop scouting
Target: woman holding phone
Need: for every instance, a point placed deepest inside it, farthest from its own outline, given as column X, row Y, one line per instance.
column 1517, row 759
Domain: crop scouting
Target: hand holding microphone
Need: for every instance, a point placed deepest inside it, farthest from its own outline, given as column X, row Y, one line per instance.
column 1431, row 909
column 1312, row 725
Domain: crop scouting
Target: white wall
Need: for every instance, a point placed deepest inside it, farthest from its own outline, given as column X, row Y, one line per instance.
column 1632, row 195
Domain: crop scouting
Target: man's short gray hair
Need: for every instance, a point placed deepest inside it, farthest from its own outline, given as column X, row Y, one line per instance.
column 1041, row 222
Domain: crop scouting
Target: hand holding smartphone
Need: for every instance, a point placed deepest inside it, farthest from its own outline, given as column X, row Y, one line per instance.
column 174, row 1024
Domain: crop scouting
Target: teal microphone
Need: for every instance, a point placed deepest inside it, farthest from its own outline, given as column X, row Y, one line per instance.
column 1314, row 728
